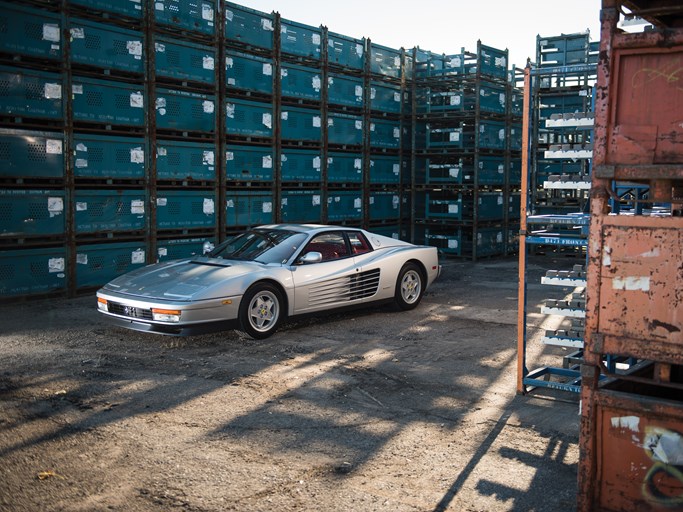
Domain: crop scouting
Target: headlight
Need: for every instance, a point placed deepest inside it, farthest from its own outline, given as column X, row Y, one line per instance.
column 166, row 315
column 102, row 304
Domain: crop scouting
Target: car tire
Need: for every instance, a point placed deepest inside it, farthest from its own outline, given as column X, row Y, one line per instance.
column 261, row 311
column 409, row 287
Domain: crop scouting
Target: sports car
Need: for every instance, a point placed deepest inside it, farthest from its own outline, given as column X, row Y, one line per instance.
column 255, row 280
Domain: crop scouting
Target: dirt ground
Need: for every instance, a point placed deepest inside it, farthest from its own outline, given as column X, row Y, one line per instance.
column 359, row 411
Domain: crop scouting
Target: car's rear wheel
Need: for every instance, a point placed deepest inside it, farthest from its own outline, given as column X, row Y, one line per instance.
column 260, row 311
column 409, row 287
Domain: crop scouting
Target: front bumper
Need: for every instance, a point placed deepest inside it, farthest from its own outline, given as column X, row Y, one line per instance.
column 169, row 329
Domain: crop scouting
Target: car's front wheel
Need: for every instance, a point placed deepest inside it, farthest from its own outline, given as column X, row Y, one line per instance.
column 409, row 287
column 260, row 311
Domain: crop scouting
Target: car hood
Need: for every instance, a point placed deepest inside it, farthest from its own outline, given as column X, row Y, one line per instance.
column 186, row 280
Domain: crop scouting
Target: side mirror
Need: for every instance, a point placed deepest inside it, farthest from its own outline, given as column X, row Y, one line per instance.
column 311, row 257
column 207, row 247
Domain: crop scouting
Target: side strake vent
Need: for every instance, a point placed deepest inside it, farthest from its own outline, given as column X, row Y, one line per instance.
column 345, row 289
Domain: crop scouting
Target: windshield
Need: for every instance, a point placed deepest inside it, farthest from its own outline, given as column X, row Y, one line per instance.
column 261, row 245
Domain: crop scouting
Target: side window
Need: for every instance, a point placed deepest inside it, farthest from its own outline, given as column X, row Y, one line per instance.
column 331, row 245
column 359, row 244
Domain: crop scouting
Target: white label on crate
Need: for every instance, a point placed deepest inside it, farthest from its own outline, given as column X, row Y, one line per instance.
column 453, row 172
column 501, row 98
column 162, row 201
column 161, row 103
column 397, row 169
column 357, row 203
column 316, row 163
column 51, row 32
column 77, row 33
column 330, row 80
column 136, row 100
column 397, row 133
column 208, row 107
column 137, row 257
column 229, row 156
column 316, row 39
column 284, row 201
column 501, row 168
column 316, row 83
column 453, row 208
column 232, row 81
column 268, row 120
column 161, row 151
column 631, row 283
column 230, row 203
column 207, row 12
column 317, row 122
column 316, row 200
column 500, row 200
column 267, row 69
column 284, row 116
column 358, row 163
column 134, row 48
column 397, row 97
column 482, row 92
column 397, row 61
column 373, row 93
column 77, row 89
column 55, row 265
column 81, row 163
column 267, row 207
column 137, row 155
column 82, row 259
column 455, row 62
column 267, row 25
column 283, row 157
column 208, row 62
column 372, row 127
column 162, row 251
column 207, row 158
column 454, row 136
column 501, row 62
column 159, row 47
column 501, row 134
column 372, row 200
column 452, row 244
column 330, row 121
column 337, row 199
column 359, row 91
column 159, row 6
column 208, row 206
column 230, row 110
column 55, row 205
column 499, row 237
column 330, row 160
column 267, row 162
column 229, row 62
column 359, row 125
column 81, row 207
column 137, row 207
column 53, row 91
column 53, row 147
column 359, row 50
column 481, row 129
column 394, row 202
column 284, row 73
column 229, row 15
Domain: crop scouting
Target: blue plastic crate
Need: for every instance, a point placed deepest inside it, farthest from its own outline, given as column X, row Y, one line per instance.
column 346, row 52
column 300, row 82
column 345, row 90
column 514, row 205
column 191, row 15
column 300, row 124
column 177, row 249
column 492, row 62
column 445, row 136
column 490, row 241
column 185, row 209
column 345, row 205
column 130, row 8
column 249, row 118
column 30, row 32
column 301, row 206
column 492, row 98
column 26, row 154
column 440, row 100
column 564, row 50
column 384, row 205
column 300, row 165
column 385, row 170
column 344, row 129
column 392, row 231
column 32, row 271
column 106, row 46
column 181, row 160
column 30, row 93
column 108, row 102
column 185, row 110
column 249, row 163
column 97, row 264
column 31, row 212
column 492, row 135
column 490, row 206
column 516, row 137
column 344, row 168
column 249, row 208
column 248, row 72
column 248, row 27
column 385, row 61
column 103, row 156
column 182, row 60
column 491, row 170
column 444, row 170
column 385, row 98
column 385, row 134
column 446, row 242
column 300, row 40
column 104, row 211
column 438, row 207
column 516, row 171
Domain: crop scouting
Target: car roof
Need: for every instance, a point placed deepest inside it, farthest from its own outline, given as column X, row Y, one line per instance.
column 307, row 228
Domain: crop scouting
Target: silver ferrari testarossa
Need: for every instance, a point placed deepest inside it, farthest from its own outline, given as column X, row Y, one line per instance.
column 253, row 281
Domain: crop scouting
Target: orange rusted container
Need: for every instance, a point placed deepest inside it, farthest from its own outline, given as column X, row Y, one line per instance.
column 631, row 439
